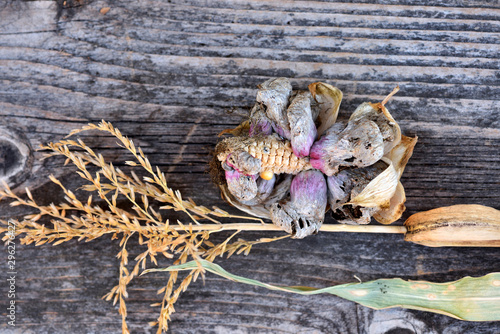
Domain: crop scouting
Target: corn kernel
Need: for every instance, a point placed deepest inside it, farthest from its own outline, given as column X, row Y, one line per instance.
column 267, row 175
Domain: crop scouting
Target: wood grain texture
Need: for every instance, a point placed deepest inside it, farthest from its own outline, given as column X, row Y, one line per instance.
column 173, row 74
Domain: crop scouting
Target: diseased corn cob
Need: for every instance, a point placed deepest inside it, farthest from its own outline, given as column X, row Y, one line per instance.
column 276, row 155
column 293, row 136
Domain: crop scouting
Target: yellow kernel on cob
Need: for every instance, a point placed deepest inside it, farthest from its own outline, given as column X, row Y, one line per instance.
column 274, row 144
column 252, row 151
column 285, row 161
column 278, row 160
column 267, row 175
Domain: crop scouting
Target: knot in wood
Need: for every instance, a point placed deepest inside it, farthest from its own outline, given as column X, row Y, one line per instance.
column 16, row 156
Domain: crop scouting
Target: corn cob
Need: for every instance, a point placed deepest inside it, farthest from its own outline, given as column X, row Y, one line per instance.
column 276, row 155
column 281, row 137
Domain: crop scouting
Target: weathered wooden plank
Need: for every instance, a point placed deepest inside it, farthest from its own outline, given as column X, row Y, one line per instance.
column 470, row 112
column 154, row 39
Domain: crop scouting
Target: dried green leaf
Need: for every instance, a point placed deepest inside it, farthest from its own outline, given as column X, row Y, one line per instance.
column 470, row 298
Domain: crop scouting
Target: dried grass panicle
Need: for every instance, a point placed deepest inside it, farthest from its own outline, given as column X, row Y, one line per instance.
column 98, row 215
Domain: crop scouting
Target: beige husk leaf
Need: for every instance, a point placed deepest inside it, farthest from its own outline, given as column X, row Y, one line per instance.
column 399, row 156
column 401, row 153
column 380, row 190
column 395, row 209
column 329, row 98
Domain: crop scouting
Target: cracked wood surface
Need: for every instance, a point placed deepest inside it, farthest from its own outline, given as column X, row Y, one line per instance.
column 172, row 75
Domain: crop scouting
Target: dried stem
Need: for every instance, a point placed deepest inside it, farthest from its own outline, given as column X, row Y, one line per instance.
column 324, row 228
column 391, row 94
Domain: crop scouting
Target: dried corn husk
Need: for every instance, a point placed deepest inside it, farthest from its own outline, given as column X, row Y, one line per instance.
column 399, row 156
column 261, row 210
column 385, row 193
column 380, row 190
column 329, row 98
column 303, row 213
column 401, row 153
column 394, row 211
column 457, row 225
column 378, row 113
column 360, row 144
column 348, row 184
column 274, row 93
column 302, row 127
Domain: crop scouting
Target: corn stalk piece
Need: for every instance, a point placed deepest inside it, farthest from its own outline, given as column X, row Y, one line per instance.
column 465, row 225
column 470, row 298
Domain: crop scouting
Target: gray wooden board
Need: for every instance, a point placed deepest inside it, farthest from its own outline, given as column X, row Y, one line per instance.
column 172, row 74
